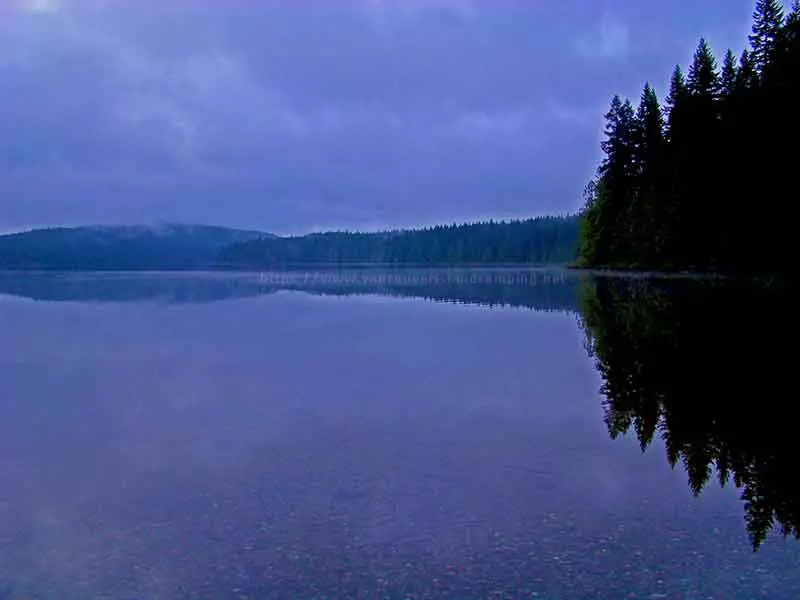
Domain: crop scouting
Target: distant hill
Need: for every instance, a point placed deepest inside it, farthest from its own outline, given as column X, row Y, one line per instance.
column 125, row 247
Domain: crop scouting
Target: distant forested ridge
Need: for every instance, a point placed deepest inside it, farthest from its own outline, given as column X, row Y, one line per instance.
column 129, row 247
column 706, row 181
column 543, row 240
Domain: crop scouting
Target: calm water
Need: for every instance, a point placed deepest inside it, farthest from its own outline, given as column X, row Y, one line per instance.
column 384, row 435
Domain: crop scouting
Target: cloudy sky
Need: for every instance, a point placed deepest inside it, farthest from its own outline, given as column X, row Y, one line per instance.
column 297, row 115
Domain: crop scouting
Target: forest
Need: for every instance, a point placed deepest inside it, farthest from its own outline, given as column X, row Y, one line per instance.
column 703, row 182
column 543, row 241
column 695, row 362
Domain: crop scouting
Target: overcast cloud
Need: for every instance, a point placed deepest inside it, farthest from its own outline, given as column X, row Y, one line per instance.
column 298, row 115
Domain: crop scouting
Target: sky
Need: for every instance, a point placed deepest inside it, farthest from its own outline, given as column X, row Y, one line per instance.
column 301, row 115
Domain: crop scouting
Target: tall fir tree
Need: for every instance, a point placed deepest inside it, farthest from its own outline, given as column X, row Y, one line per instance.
column 729, row 75
column 678, row 92
column 778, row 131
column 791, row 47
column 675, row 167
column 746, row 75
column 606, row 234
column 767, row 24
column 703, row 77
column 701, row 196
column 646, row 217
column 620, row 176
column 731, row 133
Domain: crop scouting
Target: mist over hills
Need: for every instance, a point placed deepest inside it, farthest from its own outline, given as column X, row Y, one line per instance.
column 123, row 247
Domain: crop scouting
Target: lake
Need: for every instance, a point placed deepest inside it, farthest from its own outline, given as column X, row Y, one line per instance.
column 464, row 434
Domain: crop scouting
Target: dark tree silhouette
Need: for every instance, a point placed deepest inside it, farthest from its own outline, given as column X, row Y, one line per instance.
column 709, row 198
column 729, row 74
column 646, row 211
column 610, row 238
column 767, row 25
column 746, row 76
column 702, row 153
column 703, row 80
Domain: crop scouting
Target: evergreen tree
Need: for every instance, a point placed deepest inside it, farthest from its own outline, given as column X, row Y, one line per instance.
column 618, row 174
column 703, row 80
column 606, row 235
column 767, row 23
column 735, row 80
column 791, row 49
column 729, row 75
column 648, row 133
column 746, row 76
column 676, row 166
column 777, row 131
column 646, row 217
column 678, row 92
column 701, row 196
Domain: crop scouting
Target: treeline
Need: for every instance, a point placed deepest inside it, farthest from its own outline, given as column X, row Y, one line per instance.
column 696, row 363
column 543, row 240
column 705, row 182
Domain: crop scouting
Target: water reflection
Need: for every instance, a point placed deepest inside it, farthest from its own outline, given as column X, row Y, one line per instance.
column 540, row 290
column 709, row 367
column 155, row 442
column 702, row 364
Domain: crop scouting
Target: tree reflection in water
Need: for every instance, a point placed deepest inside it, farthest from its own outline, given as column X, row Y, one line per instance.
column 709, row 366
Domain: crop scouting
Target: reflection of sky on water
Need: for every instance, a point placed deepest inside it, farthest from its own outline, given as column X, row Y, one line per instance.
column 292, row 445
